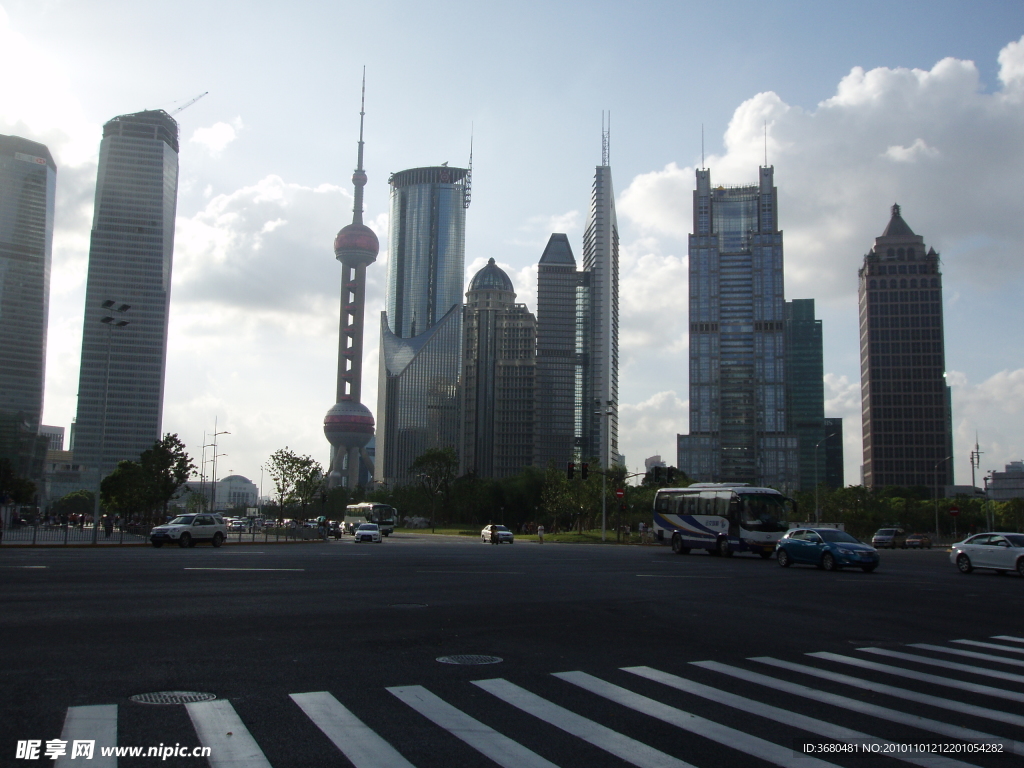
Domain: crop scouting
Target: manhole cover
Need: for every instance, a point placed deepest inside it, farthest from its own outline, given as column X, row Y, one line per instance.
column 407, row 605
column 469, row 658
column 171, row 697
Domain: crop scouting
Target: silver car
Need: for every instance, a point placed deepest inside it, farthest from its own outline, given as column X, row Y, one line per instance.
column 1001, row 552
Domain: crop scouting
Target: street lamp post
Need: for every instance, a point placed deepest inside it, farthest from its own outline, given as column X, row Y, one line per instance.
column 111, row 322
column 213, row 480
column 935, row 477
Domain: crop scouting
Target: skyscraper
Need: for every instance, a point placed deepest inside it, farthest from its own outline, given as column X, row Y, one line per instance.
column 499, row 371
column 737, row 347
column 907, row 424
column 121, row 380
column 421, row 327
column 598, row 305
column 348, row 425
column 28, row 181
column 834, row 452
column 555, row 426
column 805, row 389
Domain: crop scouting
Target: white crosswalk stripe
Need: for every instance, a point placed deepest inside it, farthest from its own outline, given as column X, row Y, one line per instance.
column 95, row 723
column 786, row 717
column 946, row 682
column 885, row 713
column 220, row 728
column 968, row 654
column 974, row 670
column 348, row 733
column 723, row 734
column 628, row 749
column 734, row 727
column 482, row 738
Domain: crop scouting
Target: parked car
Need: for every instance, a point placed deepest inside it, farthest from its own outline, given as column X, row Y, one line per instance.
column 1001, row 552
column 827, row 548
column 188, row 530
column 238, row 525
column 918, row 541
column 889, row 538
column 368, row 532
column 505, row 536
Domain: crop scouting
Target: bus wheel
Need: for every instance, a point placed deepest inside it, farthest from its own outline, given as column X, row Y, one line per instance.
column 677, row 545
column 724, row 550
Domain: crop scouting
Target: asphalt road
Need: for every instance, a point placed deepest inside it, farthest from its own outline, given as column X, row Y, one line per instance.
column 255, row 624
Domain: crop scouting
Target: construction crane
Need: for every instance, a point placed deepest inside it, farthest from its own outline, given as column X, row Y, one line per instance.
column 189, row 103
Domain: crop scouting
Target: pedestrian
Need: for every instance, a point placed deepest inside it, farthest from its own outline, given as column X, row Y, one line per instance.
column 108, row 526
column 540, row 534
column 495, row 535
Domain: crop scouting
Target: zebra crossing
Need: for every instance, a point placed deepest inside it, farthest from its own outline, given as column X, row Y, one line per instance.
column 978, row 720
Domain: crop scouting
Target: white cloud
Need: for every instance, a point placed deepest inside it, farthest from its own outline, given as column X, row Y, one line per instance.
column 909, row 154
column 216, row 137
column 1011, row 64
column 653, row 422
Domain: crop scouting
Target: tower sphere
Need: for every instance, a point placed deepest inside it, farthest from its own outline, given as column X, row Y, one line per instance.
column 349, row 424
column 356, row 244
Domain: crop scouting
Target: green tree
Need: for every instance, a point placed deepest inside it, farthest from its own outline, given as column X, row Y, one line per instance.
column 128, row 490
column 297, row 479
column 18, row 490
column 435, row 470
column 167, row 467
column 75, row 503
column 309, row 481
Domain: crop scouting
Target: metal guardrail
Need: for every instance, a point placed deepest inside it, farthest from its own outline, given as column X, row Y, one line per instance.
column 135, row 535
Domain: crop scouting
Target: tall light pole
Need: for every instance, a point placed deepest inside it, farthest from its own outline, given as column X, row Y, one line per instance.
column 213, row 481
column 935, row 476
column 111, row 322
column 817, row 507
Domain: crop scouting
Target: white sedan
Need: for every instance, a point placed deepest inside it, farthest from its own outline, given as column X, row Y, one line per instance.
column 503, row 534
column 368, row 532
column 1001, row 552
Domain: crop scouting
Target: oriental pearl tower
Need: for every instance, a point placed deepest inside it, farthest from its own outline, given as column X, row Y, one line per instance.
column 349, row 424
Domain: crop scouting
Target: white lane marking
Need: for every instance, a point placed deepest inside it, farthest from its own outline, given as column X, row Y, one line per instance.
column 1008, row 638
column 900, row 693
column 96, row 723
column 673, row 576
column 723, row 734
column 484, row 739
column 245, row 569
column 220, row 728
column 969, row 654
column 25, row 566
column 480, row 573
column 992, row 646
column 803, row 722
column 632, row 751
column 945, row 664
column 924, row 677
column 875, row 710
column 348, row 733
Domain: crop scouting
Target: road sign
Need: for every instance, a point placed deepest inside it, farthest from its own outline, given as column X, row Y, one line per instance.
column 619, row 493
column 954, row 511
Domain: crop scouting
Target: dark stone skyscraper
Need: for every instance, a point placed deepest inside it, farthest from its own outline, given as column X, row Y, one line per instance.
column 499, row 354
column 348, row 425
column 738, row 425
column 28, row 180
column 558, row 373
column 907, row 424
column 421, row 328
column 121, row 381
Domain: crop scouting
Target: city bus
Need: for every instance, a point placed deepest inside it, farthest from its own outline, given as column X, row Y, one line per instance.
column 722, row 518
column 367, row 512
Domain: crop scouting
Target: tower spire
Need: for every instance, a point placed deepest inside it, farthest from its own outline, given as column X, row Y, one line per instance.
column 605, row 138
column 359, row 176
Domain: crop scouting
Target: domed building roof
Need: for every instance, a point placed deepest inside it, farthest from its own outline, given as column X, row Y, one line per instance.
column 491, row 278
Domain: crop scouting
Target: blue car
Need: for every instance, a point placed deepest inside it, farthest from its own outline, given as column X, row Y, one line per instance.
column 827, row 548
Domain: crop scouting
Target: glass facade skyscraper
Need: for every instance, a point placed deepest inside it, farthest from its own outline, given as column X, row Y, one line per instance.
column 421, row 327
column 738, row 424
column 28, row 181
column 906, row 418
column 805, row 389
column 121, row 380
column 598, row 326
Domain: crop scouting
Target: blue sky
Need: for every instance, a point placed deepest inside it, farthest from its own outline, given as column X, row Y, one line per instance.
column 866, row 104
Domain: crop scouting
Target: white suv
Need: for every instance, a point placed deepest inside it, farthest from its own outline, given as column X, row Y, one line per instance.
column 189, row 529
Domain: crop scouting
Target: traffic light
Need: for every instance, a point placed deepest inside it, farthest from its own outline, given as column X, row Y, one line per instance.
column 584, row 470
column 657, row 474
column 670, row 474
column 569, row 470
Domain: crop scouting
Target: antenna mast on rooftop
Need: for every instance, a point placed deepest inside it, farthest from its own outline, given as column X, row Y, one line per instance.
column 605, row 137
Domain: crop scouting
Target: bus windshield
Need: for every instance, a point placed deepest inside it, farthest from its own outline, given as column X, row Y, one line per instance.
column 764, row 512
